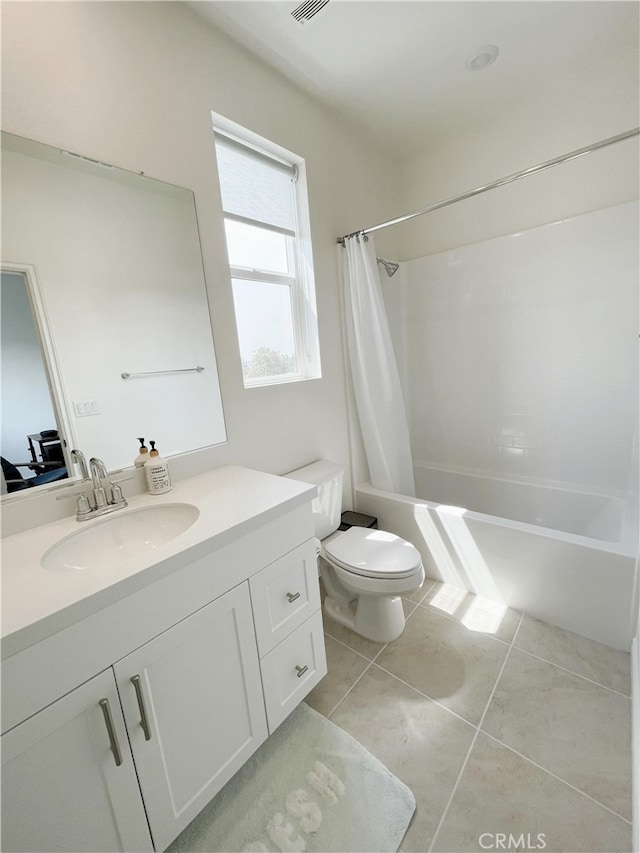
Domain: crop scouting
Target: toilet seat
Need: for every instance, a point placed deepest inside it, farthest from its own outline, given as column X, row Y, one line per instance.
column 372, row 553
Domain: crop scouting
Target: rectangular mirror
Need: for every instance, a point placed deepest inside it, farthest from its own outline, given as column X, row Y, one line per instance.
column 109, row 263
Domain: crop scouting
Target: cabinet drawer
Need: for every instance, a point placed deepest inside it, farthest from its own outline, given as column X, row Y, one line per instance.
column 292, row 669
column 284, row 595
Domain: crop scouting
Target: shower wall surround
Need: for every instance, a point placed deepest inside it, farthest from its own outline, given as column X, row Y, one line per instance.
column 520, row 354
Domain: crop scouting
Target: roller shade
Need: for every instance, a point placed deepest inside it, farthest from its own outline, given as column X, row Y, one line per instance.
column 254, row 187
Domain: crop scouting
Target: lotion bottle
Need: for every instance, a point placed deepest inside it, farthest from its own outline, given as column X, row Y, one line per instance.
column 143, row 455
column 157, row 473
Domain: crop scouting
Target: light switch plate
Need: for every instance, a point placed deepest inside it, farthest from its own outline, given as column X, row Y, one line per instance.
column 86, row 408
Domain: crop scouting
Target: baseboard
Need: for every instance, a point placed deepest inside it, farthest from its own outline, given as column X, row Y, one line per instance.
column 635, row 731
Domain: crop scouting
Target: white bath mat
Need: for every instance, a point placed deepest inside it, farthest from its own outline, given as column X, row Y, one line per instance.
column 310, row 787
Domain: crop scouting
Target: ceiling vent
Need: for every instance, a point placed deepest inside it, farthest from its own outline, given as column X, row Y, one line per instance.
column 307, row 11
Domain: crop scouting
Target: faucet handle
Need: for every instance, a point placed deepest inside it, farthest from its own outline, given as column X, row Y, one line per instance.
column 83, row 507
column 116, row 492
column 117, row 498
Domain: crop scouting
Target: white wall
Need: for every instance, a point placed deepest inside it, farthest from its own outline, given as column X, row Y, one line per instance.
column 599, row 102
column 522, row 353
column 133, row 84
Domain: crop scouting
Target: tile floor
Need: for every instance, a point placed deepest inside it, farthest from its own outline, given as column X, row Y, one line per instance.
column 498, row 723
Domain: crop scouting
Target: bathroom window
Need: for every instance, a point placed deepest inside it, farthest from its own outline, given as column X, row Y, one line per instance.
column 268, row 243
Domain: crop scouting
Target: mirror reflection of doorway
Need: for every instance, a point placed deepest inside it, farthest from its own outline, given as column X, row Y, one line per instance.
column 32, row 451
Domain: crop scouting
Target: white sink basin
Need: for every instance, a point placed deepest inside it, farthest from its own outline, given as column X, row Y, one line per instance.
column 120, row 537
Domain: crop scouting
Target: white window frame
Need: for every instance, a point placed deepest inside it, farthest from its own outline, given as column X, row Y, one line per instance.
column 300, row 280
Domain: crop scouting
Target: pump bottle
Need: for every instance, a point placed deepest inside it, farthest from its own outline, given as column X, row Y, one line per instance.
column 143, row 454
column 157, row 473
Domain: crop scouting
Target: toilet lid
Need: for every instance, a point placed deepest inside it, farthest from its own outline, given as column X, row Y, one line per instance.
column 373, row 553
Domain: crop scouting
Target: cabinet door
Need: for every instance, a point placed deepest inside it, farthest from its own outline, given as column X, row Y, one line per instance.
column 61, row 787
column 193, row 707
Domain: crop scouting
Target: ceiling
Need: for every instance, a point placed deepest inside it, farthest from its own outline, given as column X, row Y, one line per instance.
column 398, row 67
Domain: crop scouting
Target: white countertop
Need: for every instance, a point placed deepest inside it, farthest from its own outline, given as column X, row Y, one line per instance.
column 37, row 602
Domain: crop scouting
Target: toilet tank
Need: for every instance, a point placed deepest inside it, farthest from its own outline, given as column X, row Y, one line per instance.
column 328, row 477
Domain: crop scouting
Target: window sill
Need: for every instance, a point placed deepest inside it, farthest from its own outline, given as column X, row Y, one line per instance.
column 267, row 381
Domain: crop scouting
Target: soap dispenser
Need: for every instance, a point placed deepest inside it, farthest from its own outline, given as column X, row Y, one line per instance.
column 143, row 455
column 157, row 473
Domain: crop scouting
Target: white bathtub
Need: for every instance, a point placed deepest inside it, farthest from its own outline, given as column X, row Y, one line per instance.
column 565, row 557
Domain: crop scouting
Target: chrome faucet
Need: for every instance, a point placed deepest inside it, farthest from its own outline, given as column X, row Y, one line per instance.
column 103, row 500
column 104, row 503
column 98, row 473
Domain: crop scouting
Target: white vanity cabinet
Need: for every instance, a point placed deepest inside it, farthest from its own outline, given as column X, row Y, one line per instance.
column 194, row 711
column 125, row 713
column 61, row 787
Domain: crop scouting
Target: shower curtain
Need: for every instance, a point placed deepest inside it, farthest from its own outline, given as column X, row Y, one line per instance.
column 374, row 371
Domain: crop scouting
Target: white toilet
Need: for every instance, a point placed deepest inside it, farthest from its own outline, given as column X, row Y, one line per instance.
column 364, row 570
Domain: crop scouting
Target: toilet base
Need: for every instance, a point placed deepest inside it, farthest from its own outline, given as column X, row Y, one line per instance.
column 377, row 618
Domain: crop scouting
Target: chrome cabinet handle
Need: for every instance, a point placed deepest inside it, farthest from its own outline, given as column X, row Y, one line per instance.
column 301, row 670
column 113, row 737
column 293, row 596
column 144, row 719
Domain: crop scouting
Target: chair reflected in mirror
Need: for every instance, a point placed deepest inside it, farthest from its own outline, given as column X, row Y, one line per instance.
column 50, row 472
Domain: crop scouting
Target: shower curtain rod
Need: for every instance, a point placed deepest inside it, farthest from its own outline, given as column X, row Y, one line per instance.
column 509, row 179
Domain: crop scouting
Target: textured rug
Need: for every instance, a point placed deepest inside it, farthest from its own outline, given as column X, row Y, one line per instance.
column 310, row 787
